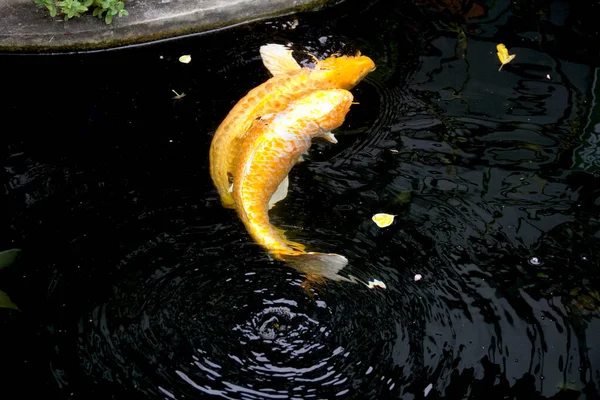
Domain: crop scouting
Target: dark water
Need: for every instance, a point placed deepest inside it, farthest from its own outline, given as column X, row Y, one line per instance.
column 134, row 283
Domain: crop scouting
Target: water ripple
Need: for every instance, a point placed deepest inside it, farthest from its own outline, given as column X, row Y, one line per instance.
column 237, row 333
column 150, row 289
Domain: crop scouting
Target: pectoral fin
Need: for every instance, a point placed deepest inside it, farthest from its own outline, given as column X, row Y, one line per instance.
column 327, row 136
column 280, row 193
column 278, row 59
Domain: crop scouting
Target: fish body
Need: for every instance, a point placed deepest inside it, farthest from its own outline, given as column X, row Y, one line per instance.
column 290, row 82
column 272, row 146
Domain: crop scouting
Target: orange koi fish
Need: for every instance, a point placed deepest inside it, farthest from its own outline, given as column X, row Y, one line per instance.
column 272, row 146
column 290, row 81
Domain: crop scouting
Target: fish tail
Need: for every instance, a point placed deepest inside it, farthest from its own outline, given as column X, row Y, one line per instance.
column 298, row 247
column 317, row 266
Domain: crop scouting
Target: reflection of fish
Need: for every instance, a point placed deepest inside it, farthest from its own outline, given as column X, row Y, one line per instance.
column 270, row 149
column 289, row 82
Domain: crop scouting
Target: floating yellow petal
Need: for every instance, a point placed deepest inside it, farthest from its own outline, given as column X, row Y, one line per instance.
column 185, row 58
column 503, row 55
column 382, row 220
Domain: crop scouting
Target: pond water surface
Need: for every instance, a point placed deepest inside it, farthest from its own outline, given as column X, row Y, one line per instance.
column 134, row 283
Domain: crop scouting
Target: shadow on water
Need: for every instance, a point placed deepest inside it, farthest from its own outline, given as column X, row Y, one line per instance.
column 135, row 283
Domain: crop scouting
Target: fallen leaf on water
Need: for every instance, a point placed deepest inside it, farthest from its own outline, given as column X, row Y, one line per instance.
column 185, row 58
column 177, row 95
column 6, row 302
column 8, row 257
column 293, row 24
column 503, row 55
column 382, row 220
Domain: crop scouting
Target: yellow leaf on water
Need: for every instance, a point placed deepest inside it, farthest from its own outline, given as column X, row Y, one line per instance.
column 382, row 220
column 503, row 55
column 185, row 58
column 6, row 302
column 8, row 257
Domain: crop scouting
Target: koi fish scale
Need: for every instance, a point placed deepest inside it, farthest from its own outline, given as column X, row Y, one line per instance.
column 270, row 149
column 266, row 133
column 289, row 82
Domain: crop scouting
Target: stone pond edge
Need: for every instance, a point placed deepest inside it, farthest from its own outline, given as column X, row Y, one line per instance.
column 27, row 27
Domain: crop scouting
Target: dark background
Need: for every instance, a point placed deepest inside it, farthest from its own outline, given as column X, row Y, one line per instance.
column 134, row 282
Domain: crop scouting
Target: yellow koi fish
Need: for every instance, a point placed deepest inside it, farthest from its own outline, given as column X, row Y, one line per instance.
column 272, row 146
column 290, row 81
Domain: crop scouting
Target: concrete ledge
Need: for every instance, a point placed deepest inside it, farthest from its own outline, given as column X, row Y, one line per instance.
column 26, row 26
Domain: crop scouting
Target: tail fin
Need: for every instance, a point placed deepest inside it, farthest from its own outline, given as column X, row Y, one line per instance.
column 325, row 265
column 278, row 59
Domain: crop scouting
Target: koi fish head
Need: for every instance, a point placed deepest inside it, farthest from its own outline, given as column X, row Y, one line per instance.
column 327, row 108
column 345, row 72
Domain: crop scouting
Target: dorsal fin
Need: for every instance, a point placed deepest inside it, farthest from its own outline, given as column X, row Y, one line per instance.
column 278, row 59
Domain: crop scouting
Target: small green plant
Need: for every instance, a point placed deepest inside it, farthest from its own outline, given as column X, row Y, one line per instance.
column 49, row 4
column 73, row 8
column 106, row 9
column 111, row 8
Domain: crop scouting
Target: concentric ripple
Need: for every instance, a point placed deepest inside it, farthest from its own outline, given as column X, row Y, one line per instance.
column 139, row 285
column 238, row 332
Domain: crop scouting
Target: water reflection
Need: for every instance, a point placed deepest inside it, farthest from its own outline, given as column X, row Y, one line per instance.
column 485, row 171
column 233, row 331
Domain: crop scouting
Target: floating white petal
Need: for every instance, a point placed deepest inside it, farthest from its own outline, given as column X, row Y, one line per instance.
column 428, row 389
